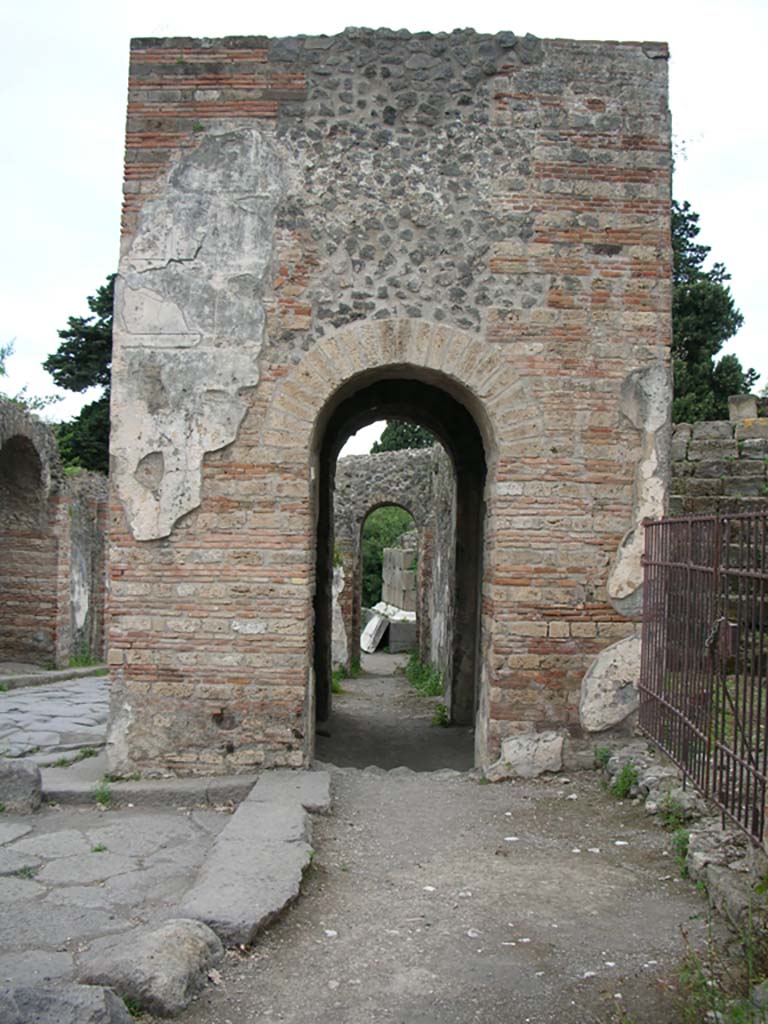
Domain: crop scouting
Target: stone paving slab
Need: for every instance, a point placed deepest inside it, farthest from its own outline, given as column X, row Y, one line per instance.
column 44, row 721
column 74, row 875
column 256, row 865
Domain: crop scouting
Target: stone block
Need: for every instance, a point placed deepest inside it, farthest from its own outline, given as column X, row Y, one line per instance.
column 679, row 448
column 751, row 469
column 712, row 449
column 609, row 688
column 255, row 868
column 752, row 430
column 681, row 432
column 745, row 488
column 705, row 486
column 709, row 430
column 754, row 448
column 528, row 755
column 402, row 637
column 61, row 1003
column 160, row 968
column 742, row 407
column 20, row 785
column 715, row 469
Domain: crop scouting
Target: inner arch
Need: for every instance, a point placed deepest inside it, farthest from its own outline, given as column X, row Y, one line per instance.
column 442, row 407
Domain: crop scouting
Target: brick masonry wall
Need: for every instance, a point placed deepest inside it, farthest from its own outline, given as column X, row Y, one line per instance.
column 52, row 535
column 29, row 509
column 490, row 212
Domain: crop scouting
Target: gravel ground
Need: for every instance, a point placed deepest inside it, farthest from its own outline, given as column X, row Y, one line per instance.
column 436, row 899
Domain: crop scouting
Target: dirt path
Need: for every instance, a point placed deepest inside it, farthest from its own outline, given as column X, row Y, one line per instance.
column 423, row 909
column 435, row 899
column 381, row 720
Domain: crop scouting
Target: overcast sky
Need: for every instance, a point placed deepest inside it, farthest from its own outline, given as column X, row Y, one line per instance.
column 63, row 81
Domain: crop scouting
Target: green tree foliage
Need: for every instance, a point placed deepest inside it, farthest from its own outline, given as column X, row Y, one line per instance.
column 380, row 530
column 84, row 360
column 400, row 434
column 704, row 317
column 32, row 402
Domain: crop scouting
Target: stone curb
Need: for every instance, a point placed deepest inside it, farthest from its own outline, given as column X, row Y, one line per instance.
column 55, row 676
column 150, row 792
column 257, row 862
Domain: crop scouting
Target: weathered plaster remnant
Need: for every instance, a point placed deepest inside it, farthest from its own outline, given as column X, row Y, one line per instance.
column 252, row 627
column 340, row 652
column 121, row 716
column 79, row 590
column 646, row 398
column 191, row 287
column 609, row 690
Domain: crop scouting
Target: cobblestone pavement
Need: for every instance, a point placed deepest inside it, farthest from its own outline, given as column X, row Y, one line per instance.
column 45, row 722
column 71, row 874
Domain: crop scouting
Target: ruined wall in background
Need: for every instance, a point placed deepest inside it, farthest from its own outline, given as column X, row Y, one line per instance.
column 82, row 567
column 52, row 538
column 30, row 519
column 722, row 465
column 420, row 481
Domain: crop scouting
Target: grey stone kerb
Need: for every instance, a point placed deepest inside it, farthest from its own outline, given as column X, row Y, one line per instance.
column 193, row 275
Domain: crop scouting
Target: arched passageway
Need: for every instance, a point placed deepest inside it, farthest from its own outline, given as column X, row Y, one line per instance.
column 433, row 402
column 28, row 569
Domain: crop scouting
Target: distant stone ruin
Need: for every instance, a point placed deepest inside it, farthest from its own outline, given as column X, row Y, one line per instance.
column 52, row 541
column 469, row 231
column 420, row 481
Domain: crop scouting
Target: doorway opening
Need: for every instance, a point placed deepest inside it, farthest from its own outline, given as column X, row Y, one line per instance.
column 441, row 406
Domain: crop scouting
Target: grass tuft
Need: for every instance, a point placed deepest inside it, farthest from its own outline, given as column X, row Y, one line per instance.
column 624, row 781
column 427, row 679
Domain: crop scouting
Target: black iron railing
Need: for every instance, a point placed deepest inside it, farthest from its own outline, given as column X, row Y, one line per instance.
column 703, row 696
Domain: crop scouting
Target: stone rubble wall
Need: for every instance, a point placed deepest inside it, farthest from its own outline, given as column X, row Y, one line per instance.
column 421, row 481
column 722, row 465
column 52, row 535
column 487, row 215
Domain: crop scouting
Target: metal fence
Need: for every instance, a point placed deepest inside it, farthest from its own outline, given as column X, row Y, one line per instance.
column 703, row 697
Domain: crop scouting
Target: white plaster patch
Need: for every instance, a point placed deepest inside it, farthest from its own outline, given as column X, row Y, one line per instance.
column 510, row 489
column 339, row 646
column 646, row 401
column 251, row 627
column 202, row 247
column 79, row 591
column 118, row 741
column 141, row 306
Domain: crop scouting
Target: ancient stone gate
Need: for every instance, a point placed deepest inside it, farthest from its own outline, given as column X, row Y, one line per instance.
column 470, row 231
